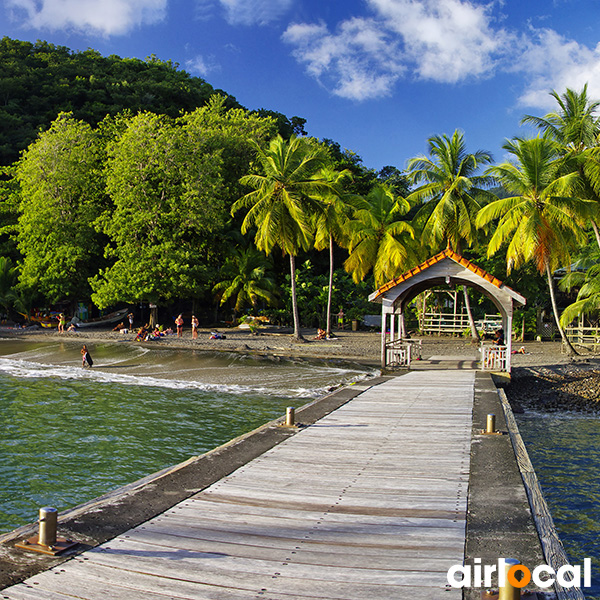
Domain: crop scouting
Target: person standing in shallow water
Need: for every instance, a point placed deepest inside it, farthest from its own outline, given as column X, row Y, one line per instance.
column 85, row 357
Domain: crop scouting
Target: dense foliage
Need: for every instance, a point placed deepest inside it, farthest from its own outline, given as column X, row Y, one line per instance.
column 129, row 181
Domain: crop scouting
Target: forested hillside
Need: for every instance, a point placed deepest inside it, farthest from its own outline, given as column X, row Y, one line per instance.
column 39, row 81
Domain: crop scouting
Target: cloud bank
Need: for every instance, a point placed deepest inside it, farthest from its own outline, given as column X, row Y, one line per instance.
column 440, row 41
column 113, row 17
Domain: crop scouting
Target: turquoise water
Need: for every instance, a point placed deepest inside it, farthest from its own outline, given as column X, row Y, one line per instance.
column 565, row 452
column 68, row 435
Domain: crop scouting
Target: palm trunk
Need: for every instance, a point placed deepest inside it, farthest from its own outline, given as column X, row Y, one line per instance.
column 297, row 335
column 330, row 292
column 570, row 350
column 474, row 332
column 596, row 232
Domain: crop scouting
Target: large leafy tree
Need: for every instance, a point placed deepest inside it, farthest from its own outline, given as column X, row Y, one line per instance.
column 39, row 80
column 538, row 222
column 167, row 201
column 450, row 191
column 285, row 200
column 378, row 237
column 62, row 191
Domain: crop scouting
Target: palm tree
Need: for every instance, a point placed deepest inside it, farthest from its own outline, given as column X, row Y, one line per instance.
column 539, row 222
column 285, row 200
column 576, row 128
column 246, row 280
column 330, row 225
column 449, row 193
column 588, row 297
column 378, row 239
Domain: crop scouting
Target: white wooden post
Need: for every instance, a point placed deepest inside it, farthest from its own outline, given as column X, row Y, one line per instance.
column 508, row 339
column 383, row 328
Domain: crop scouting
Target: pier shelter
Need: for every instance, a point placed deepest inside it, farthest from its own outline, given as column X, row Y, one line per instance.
column 451, row 269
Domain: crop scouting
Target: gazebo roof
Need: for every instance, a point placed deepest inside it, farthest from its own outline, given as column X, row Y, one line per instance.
column 478, row 274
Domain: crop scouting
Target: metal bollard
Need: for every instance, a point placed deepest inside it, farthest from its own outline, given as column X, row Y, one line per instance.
column 508, row 591
column 290, row 416
column 47, row 521
column 491, row 423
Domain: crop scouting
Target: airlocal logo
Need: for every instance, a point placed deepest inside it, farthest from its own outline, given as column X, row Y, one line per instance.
column 478, row 575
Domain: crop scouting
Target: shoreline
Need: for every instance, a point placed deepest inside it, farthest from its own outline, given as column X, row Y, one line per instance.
column 542, row 379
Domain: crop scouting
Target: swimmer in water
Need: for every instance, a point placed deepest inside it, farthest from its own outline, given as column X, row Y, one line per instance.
column 85, row 357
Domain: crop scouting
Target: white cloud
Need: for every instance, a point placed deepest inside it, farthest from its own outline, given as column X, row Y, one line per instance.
column 251, row 12
column 201, row 65
column 437, row 40
column 359, row 61
column 446, row 40
column 553, row 62
column 111, row 17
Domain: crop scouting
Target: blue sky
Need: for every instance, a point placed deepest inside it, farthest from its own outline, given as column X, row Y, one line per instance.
column 377, row 76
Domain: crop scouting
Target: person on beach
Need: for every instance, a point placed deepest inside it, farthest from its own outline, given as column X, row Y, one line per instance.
column 62, row 321
column 340, row 317
column 130, row 318
column 85, row 357
column 499, row 337
column 179, row 323
column 195, row 324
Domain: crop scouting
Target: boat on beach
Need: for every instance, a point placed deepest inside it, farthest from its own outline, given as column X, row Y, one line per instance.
column 109, row 319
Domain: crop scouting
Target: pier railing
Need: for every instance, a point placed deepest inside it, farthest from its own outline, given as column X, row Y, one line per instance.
column 494, row 358
column 399, row 353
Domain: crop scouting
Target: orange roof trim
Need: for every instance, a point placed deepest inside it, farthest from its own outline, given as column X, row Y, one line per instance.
column 448, row 253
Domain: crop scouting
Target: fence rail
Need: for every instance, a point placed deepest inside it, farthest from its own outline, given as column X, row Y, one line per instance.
column 584, row 336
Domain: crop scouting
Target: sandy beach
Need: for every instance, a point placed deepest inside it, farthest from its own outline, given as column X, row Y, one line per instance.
column 362, row 346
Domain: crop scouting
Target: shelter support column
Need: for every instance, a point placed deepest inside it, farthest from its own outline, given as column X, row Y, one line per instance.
column 383, row 330
column 508, row 339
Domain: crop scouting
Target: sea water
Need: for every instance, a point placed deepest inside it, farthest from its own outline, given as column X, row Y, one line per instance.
column 68, row 434
column 565, row 454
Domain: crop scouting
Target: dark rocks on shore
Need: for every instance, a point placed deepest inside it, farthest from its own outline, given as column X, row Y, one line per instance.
column 557, row 388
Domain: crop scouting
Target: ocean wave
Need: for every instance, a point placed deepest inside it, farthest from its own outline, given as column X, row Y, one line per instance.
column 20, row 368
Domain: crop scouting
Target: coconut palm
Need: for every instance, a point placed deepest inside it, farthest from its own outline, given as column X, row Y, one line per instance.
column 246, row 280
column 575, row 126
column 331, row 221
column 588, row 296
column 285, row 200
column 539, row 222
column 378, row 238
column 450, row 192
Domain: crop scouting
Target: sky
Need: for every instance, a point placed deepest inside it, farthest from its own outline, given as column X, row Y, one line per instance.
column 377, row 76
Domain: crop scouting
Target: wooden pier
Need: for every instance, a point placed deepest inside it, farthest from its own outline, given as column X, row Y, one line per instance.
column 369, row 502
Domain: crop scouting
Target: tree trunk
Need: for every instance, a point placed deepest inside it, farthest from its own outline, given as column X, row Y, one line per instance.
column 474, row 332
column 297, row 335
column 570, row 350
column 153, row 315
column 596, row 232
column 330, row 292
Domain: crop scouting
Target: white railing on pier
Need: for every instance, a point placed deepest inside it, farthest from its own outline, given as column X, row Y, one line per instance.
column 494, row 358
column 399, row 353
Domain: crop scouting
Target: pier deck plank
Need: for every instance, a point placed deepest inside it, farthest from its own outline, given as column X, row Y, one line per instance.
column 370, row 502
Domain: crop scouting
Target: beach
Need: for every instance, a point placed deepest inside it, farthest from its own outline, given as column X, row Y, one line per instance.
column 363, row 346
column 543, row 377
